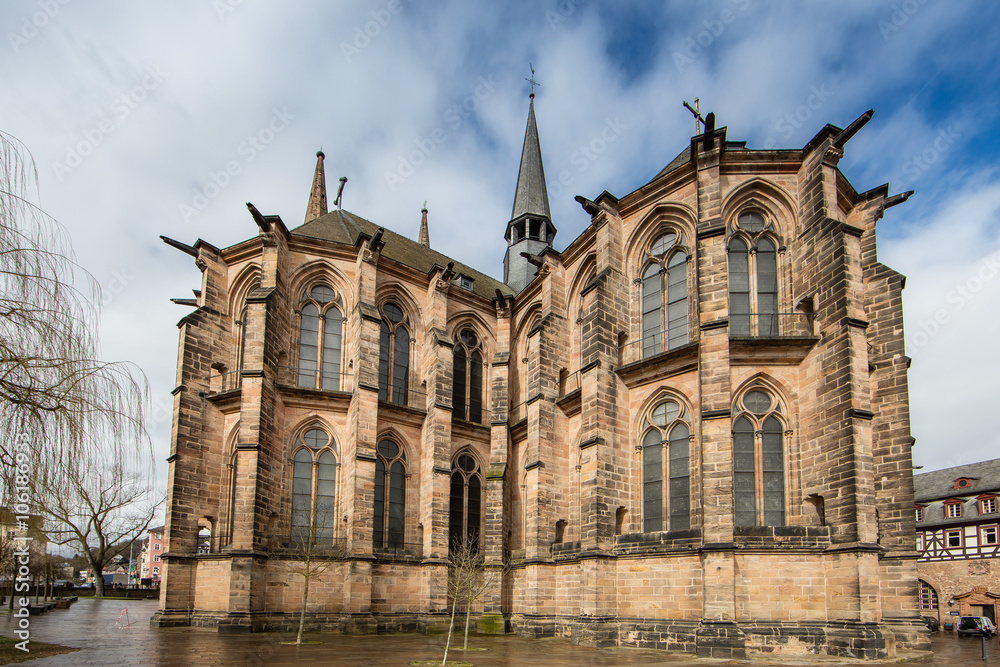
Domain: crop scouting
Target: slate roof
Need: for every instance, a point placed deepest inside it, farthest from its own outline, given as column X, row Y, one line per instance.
column 940, row 484
column 344, row 227
column 685, row 156
column 531, row 195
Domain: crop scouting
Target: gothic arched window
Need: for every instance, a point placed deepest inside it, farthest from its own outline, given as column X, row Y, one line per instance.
column 759, row 461
column 320, row 336
column 394, row 356
column 465, row 508
column 467, row 378
column 314, row 481
column 753, row 279
column 390, row 496
column 666, row 455
column 665, row 296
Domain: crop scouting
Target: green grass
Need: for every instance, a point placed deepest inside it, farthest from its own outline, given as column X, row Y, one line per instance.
column 9, row 654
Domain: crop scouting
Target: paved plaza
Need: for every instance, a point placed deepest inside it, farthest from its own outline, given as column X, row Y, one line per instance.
column 93, row 626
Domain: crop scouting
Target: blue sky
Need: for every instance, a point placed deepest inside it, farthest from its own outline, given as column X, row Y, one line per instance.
column 164, row 118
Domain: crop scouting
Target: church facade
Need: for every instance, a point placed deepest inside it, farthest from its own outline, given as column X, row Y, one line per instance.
column 687, row 430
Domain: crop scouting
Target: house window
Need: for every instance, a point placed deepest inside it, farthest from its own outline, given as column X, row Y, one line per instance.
column 394, row 356
column 314, row 474
column 753, row 279
column 988, row 535
column 928, row 596
column 666, row 456
column 665, row 296
column 156, row 571
column 156, row 547
column 953, row 510
column 953, row 538
column 920, row 514
column 467, row 378
column 465, row 508
column 920, row 541
column 987, row 506
column 759, row 461
column 963, row 482
column 320, row 335
column 390, row 495
column 156, row 559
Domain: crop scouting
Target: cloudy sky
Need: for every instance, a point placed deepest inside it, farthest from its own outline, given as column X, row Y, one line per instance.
column 164, row 118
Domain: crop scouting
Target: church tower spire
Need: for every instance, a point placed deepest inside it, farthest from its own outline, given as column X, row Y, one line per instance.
column 425, row 237
column 530, row 229
column 317, row 195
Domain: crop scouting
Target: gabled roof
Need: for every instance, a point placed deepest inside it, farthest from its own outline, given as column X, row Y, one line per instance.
column 940, row 484
column 344, row 227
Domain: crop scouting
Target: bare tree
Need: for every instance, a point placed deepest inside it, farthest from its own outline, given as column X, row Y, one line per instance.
column 56, row 396
column 308, row 559
column 469, row 577
column 98, row 507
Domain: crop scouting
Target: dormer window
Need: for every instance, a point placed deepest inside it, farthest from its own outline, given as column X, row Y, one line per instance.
column 988, row 505
column 953, row 510
column 465, row 282
column 964, row 482
column 920, row 514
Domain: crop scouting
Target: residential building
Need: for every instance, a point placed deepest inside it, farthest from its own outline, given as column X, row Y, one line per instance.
column 958, row 537
column 687, row 430
column 151, row 557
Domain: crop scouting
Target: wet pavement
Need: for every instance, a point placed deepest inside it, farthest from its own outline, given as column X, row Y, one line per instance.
column 100, row 629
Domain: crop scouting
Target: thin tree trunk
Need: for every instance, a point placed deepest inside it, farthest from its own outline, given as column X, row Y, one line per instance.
column 468, row 614
column 305, row 596
column 451, row 625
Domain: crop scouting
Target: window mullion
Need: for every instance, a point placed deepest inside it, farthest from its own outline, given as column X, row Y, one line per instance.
column 664, row 301
column 752, row 286
column 320, row 344
column 758, row 455
column 313, row 498
column 665, row 476
column 391, row 368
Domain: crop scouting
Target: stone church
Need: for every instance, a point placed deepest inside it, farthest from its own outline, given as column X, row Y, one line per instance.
column 688, row 429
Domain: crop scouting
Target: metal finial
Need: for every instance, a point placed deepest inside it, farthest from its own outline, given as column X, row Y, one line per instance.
column 532, row 80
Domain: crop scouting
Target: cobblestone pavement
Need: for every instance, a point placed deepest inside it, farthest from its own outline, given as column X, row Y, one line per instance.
column 93, row 625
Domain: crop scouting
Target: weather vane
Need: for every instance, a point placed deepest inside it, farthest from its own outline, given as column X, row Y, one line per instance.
column 532, row 80
column 698, row 120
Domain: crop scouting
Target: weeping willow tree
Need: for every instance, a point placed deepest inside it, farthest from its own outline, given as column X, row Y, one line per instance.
column 60, row 405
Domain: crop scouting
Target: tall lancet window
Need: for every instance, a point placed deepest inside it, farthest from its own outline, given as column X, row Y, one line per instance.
column 394, row 356
column 390, row 496
column 465, row 508
column 314, row 475
column 753, row 278
column 665, row 295
column 321, row 325
column 467, row 377
column 759, row 460
column 666, row 456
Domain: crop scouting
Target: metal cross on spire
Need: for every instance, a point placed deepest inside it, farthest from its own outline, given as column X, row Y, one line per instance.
column 698, row 120
column 532, row 80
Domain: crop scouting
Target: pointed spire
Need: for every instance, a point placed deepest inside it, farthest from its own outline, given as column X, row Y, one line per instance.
column 425, row 237
column 530, row 230
column 317, row 196
column 531, row 195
